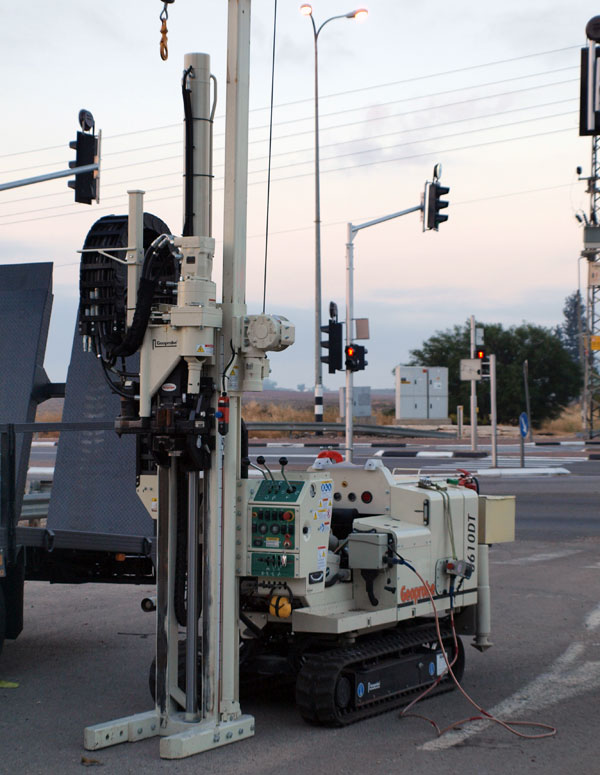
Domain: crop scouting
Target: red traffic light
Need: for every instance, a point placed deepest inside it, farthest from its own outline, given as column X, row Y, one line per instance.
column 350, row 351
column 480, row 353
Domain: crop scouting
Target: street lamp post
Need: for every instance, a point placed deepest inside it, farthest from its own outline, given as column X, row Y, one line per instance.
column 306, row 10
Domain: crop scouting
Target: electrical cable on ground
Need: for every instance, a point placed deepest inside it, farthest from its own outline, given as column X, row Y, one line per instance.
column 484, row 715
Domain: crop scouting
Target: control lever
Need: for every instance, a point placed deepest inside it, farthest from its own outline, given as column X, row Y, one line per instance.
column 247, row 462
column 262, row 462
column 283, row 461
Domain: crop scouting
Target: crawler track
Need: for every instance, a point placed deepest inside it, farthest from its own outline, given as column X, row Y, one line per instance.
column 329, row 684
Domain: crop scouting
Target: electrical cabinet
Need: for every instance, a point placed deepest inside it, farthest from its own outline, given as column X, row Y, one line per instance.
column 421, row 392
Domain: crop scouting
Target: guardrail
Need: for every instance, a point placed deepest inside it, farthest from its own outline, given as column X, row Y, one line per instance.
column 338, row 427
column 35, row 506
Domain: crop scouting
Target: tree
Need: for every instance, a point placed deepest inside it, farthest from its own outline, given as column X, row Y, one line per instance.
column 554, row 377
column 571, row 331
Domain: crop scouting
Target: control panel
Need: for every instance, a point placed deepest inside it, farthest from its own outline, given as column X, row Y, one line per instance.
column 287, row 525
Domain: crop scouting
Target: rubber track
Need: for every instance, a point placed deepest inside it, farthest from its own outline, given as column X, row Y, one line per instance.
column 317, row 679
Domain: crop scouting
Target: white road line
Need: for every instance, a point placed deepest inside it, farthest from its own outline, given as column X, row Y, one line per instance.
column 592, row 620
column 545, row 557
column 567, row 677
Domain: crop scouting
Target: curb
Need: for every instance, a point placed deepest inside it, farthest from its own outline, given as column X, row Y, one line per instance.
column 430, row 453
column 558, row 443
column 320, row 445
column 499, row 472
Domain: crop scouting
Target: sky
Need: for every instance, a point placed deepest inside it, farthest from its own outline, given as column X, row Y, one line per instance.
column 490, row 90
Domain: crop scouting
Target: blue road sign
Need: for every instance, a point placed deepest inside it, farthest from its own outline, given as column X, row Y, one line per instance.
column 524, row 424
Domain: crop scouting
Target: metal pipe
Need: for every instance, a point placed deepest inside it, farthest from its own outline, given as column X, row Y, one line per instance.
column 484, row 610
column 199, row 83
column 191, row 642
column 135, row 254
column 228, row 456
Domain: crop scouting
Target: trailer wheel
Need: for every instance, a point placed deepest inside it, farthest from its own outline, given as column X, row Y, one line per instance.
column 2, row 617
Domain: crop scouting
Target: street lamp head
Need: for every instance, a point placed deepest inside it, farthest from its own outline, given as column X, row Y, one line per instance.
column 306, row 9
column 360, row 14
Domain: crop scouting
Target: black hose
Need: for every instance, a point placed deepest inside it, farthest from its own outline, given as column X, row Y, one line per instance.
column 132, row 341
column 189, row 156
column 333, row 580
column 244, row 451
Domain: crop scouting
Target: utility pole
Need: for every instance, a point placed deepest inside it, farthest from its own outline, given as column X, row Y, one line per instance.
column 589, row 125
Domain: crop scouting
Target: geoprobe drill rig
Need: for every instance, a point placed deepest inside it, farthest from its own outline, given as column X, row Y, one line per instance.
column 328, row 576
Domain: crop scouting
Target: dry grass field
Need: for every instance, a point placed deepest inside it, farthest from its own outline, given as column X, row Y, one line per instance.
column 294, row 406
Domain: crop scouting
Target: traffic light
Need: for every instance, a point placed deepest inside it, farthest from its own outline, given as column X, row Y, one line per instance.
column 434, row 203
column 480, row 353
column 86, row 153
column 333, row 345
column 355, row 357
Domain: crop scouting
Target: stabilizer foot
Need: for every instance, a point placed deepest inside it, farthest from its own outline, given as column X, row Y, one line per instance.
column 179, row 738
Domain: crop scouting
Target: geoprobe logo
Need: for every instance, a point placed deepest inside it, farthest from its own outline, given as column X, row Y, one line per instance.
column 416, row 593
column 156, row 343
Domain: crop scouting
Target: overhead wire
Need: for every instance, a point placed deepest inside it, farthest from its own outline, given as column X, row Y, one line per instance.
column 329, row 224
column 328, row 145
column 326, row 115
column 412, row 79
column 335, row 169
column 338, row 145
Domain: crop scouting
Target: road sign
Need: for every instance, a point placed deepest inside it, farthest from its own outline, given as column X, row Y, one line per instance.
column 524, row 424
column 595, row 342
column 470, row 368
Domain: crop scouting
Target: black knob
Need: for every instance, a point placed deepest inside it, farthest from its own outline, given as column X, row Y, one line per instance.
column 283, row 461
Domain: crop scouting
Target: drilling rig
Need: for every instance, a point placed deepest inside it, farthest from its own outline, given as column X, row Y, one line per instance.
column 352, row 581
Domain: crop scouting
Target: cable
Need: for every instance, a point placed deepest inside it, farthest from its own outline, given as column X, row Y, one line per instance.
column 225, row 376
column 188, row 207
column 269, row 157
column 425, row 77
column 485, row 715
column 300, row 150
column 322, row 97
column 336, row 169
column 362, row 107
column 337, row 156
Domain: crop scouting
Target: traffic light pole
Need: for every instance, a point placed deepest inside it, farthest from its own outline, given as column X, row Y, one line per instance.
column 473, row 415
column 49, row 176
column 494, row 411
column 352, row 231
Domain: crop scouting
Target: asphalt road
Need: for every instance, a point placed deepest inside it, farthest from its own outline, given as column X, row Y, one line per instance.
column 84, row 656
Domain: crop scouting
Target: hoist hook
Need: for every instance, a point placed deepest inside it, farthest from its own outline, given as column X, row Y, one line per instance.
column 164, row 15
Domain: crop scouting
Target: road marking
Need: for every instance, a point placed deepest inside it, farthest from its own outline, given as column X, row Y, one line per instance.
column 566, row 678
column 592, row 620
column 543, row 557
